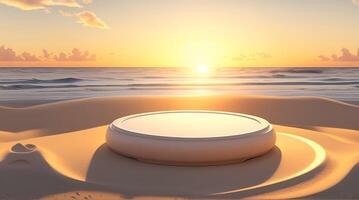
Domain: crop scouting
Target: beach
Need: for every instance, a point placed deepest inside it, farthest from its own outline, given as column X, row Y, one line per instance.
column 174, row 99
column 58, row 151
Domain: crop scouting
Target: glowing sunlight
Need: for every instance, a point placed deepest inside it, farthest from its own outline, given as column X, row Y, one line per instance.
column 202, row 69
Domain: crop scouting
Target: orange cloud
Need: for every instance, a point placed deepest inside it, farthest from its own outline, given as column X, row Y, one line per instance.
column 29, row 57
column 75, row 55
column 346, row 56
column 65, row 14
column 90, row 19
column 10, row 55
column 324, row 58
column 46, row 55
column 39, row 4
column 86, row 18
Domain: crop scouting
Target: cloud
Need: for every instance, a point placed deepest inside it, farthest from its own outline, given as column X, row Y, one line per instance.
column 65, row 14
column 75, row 55
column 39, row 4
column 10, row 55
column 324, row 58
column 46, row 55
column 7, row 54
column 29, row 57
column 86, row 18
column 90, row 19
column 346, row 56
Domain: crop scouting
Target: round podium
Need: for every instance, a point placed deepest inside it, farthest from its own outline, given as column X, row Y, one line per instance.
column 191, row 137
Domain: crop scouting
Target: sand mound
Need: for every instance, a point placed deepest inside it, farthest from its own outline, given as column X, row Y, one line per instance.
column 62, row 117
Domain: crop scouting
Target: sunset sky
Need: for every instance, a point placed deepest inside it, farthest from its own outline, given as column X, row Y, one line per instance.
column 179, row 33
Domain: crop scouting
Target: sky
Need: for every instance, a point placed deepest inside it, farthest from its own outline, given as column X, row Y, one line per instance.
column 179, row 33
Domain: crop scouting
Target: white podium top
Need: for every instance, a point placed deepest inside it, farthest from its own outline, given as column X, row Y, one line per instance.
column 191, row 124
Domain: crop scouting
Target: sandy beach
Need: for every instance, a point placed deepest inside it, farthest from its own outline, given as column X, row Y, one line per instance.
column 58, row 151
column 174, row 99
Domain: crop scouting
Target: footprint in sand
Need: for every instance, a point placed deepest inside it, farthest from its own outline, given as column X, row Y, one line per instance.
column 20, row 148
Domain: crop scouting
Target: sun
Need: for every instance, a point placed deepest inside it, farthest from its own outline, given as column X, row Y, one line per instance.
column 202, row 69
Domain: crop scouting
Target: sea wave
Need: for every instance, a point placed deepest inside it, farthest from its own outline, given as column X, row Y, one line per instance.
column 149, row 85
column 225, row 77
column 241, row 83
column 299, row 71
column 340, row 79
column 30, row 86
column 41, row 81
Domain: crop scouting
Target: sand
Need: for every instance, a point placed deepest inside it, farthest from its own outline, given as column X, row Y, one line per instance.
column 58, row 151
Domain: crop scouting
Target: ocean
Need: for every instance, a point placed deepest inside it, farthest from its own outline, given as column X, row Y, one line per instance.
column 54, row 84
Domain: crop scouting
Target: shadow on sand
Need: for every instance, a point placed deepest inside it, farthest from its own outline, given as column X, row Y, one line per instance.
column 141, row 179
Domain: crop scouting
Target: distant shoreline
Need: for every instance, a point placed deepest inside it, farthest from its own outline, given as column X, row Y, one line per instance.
column 27, row 103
